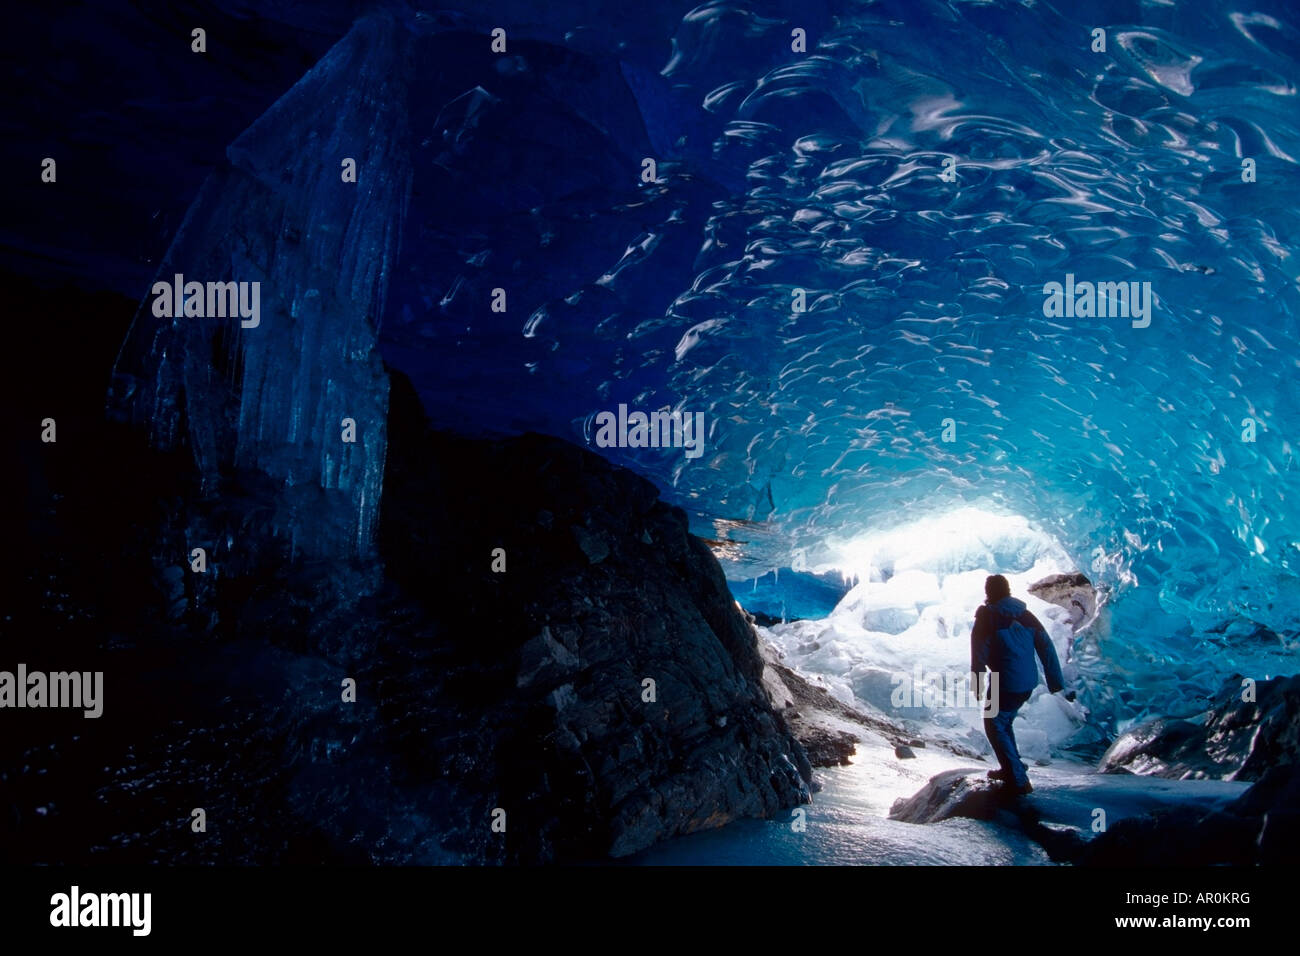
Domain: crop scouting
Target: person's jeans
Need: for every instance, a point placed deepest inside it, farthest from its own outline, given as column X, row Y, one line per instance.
column 1003, row 738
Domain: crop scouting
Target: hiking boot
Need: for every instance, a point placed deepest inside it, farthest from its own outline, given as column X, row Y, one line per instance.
column 1022, row 789
column 998, row 774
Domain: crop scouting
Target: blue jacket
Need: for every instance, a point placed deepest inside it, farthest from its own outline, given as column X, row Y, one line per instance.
column 1010, row 651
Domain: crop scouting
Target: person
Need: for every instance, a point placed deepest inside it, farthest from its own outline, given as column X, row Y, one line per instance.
column 1004, row 640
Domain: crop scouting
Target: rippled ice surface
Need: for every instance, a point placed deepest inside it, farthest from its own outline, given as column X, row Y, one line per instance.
column 787, row 178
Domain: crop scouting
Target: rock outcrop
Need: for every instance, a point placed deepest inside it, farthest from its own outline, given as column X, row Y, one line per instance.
column 607, row 688
column 583, row 692
column 1162, row 788
column 1237, row 739
column 1127, row 820
column 1074, row 592
column 953, row 793
column 828, row 729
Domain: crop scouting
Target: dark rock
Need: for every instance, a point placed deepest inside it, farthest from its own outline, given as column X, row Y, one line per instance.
column 828, row 729
column 904, row 753
column 1073, row 591
column 826, row 748
column 1138, row 749
column 545, row 660
column 953, row 793
column 545, row 666
column 477, row 689
column 592, row 545
column 1179, row 836
column 1262, row 825
column 1235, row 739
column 1275, row 799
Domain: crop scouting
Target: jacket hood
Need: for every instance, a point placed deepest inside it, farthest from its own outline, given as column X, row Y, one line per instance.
column 1012, row 607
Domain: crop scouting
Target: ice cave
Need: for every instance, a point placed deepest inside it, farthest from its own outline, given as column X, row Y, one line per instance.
column 905, row 294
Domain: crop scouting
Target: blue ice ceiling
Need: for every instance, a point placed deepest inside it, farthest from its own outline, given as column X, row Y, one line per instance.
column 779, row 171
column 780, row 177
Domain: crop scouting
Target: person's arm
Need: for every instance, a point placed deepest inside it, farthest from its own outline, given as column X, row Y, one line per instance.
column 1046, row 653
column 980, row 633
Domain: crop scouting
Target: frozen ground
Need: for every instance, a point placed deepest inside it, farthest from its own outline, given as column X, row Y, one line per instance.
column 847, row 822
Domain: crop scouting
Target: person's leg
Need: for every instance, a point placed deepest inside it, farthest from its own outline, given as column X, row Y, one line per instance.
column 1019, row 774
column 1003, row 738
column 996, row 737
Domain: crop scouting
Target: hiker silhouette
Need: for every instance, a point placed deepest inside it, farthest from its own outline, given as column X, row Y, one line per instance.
column 1004, row 640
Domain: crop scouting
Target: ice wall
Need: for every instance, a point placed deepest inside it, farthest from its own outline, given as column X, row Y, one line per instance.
column 272, row 398
column 842, row 264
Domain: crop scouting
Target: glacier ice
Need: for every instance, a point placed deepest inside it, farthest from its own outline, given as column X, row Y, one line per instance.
column 273, row 399
column 819, row 173
column 899, row 640
column 924, row 300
